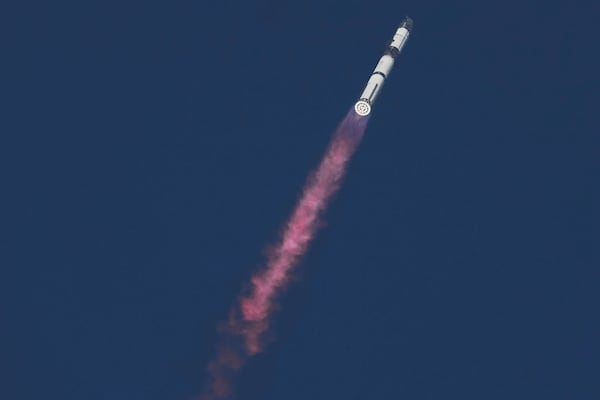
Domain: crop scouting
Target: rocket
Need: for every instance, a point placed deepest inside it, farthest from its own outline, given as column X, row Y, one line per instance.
column 383, row 68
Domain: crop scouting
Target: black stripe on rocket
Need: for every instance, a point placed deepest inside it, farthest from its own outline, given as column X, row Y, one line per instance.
column 373, row 92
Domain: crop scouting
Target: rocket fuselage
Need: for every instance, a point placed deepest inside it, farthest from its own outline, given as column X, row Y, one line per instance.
column 383, row 68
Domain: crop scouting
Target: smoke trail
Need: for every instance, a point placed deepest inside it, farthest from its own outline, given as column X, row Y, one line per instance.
column 244, row 332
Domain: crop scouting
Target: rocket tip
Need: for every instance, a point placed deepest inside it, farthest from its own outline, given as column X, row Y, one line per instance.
column 407, row 23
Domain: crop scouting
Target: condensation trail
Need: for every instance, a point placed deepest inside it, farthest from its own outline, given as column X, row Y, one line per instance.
column 243, row 334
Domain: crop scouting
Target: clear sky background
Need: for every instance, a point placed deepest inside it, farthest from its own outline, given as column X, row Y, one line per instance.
column 151, row 150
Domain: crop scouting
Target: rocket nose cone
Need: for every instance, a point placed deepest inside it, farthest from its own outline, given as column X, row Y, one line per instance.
column 407, row 23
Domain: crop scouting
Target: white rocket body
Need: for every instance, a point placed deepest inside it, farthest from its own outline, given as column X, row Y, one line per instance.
column 383, row 68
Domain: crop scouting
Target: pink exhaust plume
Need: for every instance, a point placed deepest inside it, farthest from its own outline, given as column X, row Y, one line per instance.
column 249, row 320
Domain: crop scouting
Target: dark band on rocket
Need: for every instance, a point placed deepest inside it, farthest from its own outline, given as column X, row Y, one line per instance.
column 392, row 51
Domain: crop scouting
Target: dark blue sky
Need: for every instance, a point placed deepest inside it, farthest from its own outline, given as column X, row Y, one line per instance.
column 150, row 151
